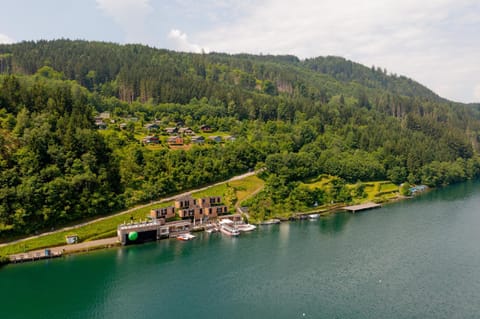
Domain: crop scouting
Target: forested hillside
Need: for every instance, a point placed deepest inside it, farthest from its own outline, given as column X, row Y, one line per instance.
column 297, row 118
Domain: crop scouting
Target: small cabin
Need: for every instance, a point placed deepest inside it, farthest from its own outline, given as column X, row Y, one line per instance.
column 216, row 139
column 206, row 128
column 151, row 140
column 198, row 139
column 71, row 239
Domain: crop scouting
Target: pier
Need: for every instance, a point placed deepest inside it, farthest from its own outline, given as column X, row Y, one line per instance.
column 59, row 251
column 37, row 255
column 361, row 207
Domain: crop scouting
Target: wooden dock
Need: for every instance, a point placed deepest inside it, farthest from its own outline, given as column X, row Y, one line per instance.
column 33, row 256
column 59, row 251
column 358, row 208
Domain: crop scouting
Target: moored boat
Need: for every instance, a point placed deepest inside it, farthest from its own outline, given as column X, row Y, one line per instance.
column 246, row 227
column 270, row 222
column 228, row 227
column 185, row 237
column 212, row 230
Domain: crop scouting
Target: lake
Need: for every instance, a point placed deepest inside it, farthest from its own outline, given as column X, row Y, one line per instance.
column 417, row 258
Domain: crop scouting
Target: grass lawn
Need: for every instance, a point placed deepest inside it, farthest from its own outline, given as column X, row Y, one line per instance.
column 380, row 190
column 374, row 190
column 245, row 187
column 155, row 147
column 320, row 182
column 101, row 229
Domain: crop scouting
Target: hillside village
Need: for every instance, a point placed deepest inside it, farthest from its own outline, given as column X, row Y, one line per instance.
column 157, row 132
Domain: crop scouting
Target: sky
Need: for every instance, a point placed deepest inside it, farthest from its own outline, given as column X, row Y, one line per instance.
column 434, row 42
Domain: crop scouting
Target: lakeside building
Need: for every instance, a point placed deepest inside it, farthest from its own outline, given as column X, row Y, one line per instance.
column 165, row 213
column 190, row 210
column 136, row 233
column 200, row 210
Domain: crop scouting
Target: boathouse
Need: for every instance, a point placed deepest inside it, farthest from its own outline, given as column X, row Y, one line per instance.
column 136, row 233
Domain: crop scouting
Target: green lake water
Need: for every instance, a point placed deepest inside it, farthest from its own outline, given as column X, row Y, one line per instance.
column 413, row 259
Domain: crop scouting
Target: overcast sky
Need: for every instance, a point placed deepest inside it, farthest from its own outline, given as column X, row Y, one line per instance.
column 435, row 42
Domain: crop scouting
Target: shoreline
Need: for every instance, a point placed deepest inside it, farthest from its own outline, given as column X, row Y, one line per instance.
column 64, row 250
column 111, row 242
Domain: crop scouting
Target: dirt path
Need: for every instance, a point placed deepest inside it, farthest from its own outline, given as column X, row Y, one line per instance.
column 255, row 192
column 131, row 209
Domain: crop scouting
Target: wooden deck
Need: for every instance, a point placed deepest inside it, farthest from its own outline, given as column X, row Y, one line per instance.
column 358, row 208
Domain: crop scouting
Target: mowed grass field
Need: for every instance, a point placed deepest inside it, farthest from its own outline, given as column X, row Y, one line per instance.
column 375, row 191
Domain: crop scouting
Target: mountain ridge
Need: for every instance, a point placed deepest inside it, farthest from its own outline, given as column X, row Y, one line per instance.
column 28, row 56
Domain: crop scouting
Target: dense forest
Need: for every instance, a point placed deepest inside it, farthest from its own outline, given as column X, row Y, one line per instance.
column 295, row 118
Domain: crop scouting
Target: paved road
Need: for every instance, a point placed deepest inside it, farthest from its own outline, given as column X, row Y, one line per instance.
column 132, row 209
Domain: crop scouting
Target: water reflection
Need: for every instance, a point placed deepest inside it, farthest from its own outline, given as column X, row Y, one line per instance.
column 334, row 223
column 284, row 234
column 451, row 193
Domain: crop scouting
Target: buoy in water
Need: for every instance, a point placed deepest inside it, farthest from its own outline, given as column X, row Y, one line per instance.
column 133, row 235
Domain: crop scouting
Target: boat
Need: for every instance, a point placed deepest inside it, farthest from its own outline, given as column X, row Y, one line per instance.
column 270, row 222
column 185, row 237
column 313, row 216
column 246, row 227
column 228, row 227
column 212, row 230
column 229, row 230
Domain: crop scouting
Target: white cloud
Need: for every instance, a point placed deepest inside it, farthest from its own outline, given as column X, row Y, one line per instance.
column 432, row 41
column 5, row 39
column 476, row 93
column 130, row 15
column 181, row 42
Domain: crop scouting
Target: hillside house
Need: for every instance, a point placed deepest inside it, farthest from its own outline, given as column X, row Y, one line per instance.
column 101, row 125
column 198, row 139
column 152, row 126
column 206, row 128
column 151, row 140
column 216, row 139
column 175, row 140
column 186, row 131
column 229, row 138
column 171, row 130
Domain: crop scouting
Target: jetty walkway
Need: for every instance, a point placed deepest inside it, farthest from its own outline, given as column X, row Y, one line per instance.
column 59, row 251
column 358, row 208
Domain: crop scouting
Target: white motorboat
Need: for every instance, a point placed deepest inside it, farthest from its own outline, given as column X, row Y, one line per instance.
column 185, row 237
column 229, row 228
column 246, row 227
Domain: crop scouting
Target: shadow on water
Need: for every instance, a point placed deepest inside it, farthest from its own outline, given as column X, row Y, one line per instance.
column 451, row 193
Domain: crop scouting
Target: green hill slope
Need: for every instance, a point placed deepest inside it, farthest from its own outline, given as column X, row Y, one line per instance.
column 60, row 162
